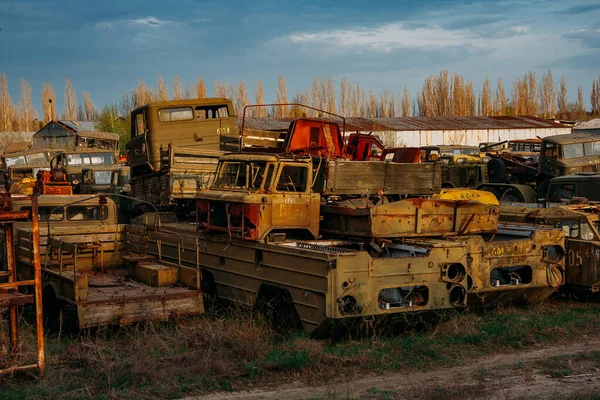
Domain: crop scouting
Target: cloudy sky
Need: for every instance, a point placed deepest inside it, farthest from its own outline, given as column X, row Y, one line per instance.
column 106, row 46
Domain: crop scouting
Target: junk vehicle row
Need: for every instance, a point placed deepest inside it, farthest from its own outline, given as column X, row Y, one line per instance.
column 303, row 225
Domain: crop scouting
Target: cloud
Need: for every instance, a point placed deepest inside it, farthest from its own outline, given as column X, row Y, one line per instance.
column 589, row 37
column 384, row 38
column 146, row 22
column 580, row 9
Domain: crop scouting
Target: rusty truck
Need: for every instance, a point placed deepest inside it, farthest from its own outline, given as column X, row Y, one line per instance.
column 581, row 225
column 175, row 146
column 91, row 264
column 567, row 155
column 323, row 240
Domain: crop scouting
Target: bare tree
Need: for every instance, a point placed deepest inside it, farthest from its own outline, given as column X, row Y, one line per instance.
column 595, row 96
column 188, row 91
column 242, row 97
column 486, row 106
column 547, row 93
column 562, row 98
column 357, row 101
column 142, row 95
column 372, row 110
column 406, row 103
column 26, row 105
column 471, row 100
column 281, row 97
column 259, row 98
column 459, row 107
column 345, row 89
column 90, row 111
column 70, row 110
column 316, row 94
column 176, row 88
column 7, row 109
column 220, row 89
column 330, row 95
column 500, row 103
column 200, row 88
column 48, row 103
column 161, row 89
column 580, row 105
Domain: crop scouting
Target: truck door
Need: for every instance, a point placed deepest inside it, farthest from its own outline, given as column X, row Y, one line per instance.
column 292, row 201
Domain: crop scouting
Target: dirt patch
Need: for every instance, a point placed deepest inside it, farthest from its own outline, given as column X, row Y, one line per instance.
column 512, row 375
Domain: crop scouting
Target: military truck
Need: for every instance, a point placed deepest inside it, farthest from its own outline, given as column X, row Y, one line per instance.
column 567, row 155
column 582, row 187
column 98, row 166
column 175, row 146
column 581, row 224
column 93, row 264
column 21, row 168
column 371, row 251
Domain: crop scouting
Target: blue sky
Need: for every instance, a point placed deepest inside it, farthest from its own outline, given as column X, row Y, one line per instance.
column 106, row 46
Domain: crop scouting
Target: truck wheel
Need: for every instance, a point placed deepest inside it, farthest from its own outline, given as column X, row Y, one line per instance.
column 496, row 171
column 277, row 307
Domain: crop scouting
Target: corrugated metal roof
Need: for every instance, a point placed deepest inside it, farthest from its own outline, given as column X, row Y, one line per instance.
column 79, row 125
column 592, row 124
column 98, row 134
column 417, row 123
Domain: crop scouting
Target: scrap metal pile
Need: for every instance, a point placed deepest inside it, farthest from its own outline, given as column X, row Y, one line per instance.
column 306, row 226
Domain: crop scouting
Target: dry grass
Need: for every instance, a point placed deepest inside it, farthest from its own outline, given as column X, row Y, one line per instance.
column 236, row 351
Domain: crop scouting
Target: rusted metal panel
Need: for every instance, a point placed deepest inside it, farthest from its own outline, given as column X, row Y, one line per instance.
column 409, row 218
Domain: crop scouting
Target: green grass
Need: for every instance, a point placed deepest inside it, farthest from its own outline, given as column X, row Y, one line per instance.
column 176, row 359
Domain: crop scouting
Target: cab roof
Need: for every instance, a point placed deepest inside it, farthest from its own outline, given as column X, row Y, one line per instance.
column 575, row 137
column 209, row 101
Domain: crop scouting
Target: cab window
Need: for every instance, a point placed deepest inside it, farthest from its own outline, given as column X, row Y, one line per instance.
column 175, row 114
column 87, row 213
column 550, row 150
column 292, row 179
column 49, row 212
column 570, row 227
column 140, row 126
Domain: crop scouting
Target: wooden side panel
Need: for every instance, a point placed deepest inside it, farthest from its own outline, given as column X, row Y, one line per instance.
column 362, row 177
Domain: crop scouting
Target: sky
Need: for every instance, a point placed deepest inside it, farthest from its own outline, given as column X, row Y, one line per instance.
column 106, row 46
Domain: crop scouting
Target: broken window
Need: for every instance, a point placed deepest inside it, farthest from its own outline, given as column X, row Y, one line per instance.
column 210, row 112
column 570, row 227
column 511, row 276
column 293, row 179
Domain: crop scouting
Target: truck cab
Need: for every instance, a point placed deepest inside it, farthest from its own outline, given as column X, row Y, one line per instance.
column 255, row 195
column 206, row 124
column 97, row 166
column 566, row 155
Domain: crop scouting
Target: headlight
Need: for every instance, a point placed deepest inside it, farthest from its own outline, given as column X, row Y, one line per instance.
column 554, row 253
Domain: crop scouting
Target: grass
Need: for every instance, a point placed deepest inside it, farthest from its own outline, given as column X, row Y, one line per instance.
column 233, row 352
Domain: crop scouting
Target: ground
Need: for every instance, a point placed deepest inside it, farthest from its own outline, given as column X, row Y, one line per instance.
column 559, row 371
column 550, row 350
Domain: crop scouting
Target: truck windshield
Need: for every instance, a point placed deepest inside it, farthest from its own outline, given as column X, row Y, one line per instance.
column 10, row 161
column 574, row 150
column 36, row 158
column 87, row 159
column 247, row 175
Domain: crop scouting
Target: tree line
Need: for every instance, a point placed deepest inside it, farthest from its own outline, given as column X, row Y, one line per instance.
column 442, row 95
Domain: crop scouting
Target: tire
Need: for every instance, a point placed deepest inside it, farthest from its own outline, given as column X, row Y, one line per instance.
column 496, row 171
column 277, row 308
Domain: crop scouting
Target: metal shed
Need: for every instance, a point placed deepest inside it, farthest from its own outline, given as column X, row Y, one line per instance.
column 424, row 131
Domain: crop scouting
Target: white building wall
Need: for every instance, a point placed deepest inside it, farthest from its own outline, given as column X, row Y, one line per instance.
column 464, row 137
